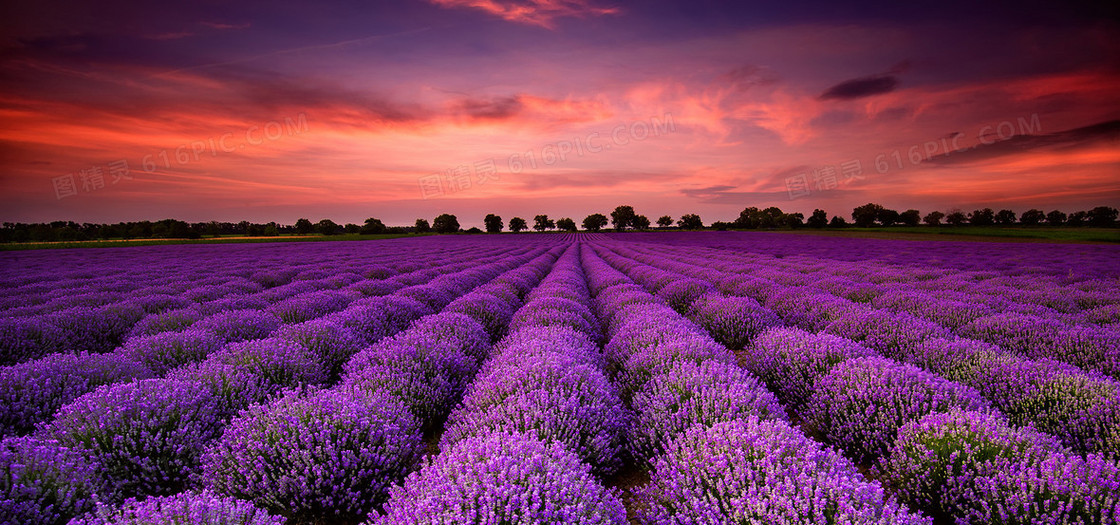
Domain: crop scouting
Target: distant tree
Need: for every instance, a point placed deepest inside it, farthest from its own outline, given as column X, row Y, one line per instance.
column 982, row 217
column 837, row 222
column 721, row 226
column 690, row 221
column 1032, row 217
column 352, row 228
column 372, row 227
column 664, row 221
column 445, row 223
column 771, row 217
column 1005, row 217
column 819, row 219
column 493, row 223
column 327, row 227
column 517, row 224
column 933, row 218
column 304, row 227
column 622, row 217
column 793, row 220
column 910, row 217
column 594, row 222
column 542, row 223
column 566, row 224
column 422, row 226
column 866, row 215
column 474, row 229
column 887, row 217
column 1077, row 218
column 640, row 222
column 748, row 218
column 956, row 218
column 1103, row 216
column 1055, row 218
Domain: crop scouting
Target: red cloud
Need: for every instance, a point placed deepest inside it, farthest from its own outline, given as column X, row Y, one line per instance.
column 533, row 12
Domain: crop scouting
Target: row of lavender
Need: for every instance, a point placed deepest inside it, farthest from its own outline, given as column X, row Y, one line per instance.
column 164, row 340
column 965, row 460
column 106, row 302
column 1068, row 262
column 1081, row 407
column 312, row 452
column 315, row 422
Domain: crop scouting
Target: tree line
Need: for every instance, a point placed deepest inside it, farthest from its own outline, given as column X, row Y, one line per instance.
column 621, row 219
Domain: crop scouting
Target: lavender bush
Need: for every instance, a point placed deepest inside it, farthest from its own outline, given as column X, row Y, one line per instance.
column 26, row 338
column 31, row 392
column 760, row 471
column 944, row 457
column 315, row 455
column 277, row 361
column 860, row 404
column 553, row 396
column 239, row 325
column 163, row 351
column 146, row 436
column 790, row 361
column 186, row 508
column 688, row 394
column 502, row 478
column 44, row 483
column 733, row 321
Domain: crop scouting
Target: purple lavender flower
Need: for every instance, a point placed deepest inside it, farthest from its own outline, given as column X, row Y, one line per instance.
column 96, row 328
column 316, row 455
column 231, row 302
column 555, row 311
column 163, row 351
column 239, row 325
column 760, row 471
column 234, row 387
column 889, row 333
column 332, row 344
column 1062, row 488
column 25, row 338
column 186, row 508
column 680, row 294
column 688, row 394
column 790, row 361
column 553, row 396
column 44, row 483
column 492, row 312
column 31, row 392
column 733, row 321
column 502, row 478
column 430, row 295
column 459, row 330
column 168, row 321
column 427, row 373
column 282, row 363
column 940, row 457
column 373, row 319
column 307, row 306
column 649, row 344
column 860, row 404
column 146, row 436
column 538, row 340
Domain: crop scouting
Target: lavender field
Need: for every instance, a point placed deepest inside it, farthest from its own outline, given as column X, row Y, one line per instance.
column 654, row 378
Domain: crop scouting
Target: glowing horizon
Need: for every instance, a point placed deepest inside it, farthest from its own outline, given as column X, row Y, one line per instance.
column 516, row 107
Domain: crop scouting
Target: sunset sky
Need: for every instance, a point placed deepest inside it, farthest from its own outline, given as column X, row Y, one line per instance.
column 272, row 111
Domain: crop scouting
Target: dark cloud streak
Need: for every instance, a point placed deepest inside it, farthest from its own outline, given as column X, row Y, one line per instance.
column 861, row 88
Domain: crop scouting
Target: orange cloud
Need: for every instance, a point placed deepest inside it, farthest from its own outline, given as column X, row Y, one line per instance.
column 533, row 12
